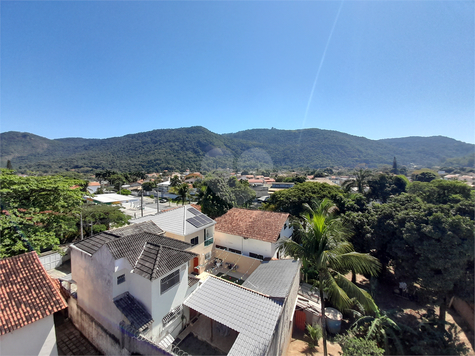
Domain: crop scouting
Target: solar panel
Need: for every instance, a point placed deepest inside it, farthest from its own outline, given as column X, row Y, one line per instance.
column 194, row 211
column 199, row 219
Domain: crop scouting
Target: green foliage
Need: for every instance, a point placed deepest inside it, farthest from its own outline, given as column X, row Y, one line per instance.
column 383, row 186
column 358, row 346
column 36, row 212
column 197, row 148
column 314, row 333
column 440, row 191
column 9, row 165
column 125, row 192
column 217, row 198
column 291, row 200
column 425, row 176
column 102, row 217
column 149, row 186
column 175, row 181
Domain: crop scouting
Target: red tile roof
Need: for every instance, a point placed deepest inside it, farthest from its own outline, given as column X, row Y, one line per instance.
column 253, row 224
column 27, row 293
column 94, row 184
column 197, row 207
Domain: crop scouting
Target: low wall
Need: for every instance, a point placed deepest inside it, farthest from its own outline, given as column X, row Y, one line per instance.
column 465, row 311
column 245, row 264
column 105, row 341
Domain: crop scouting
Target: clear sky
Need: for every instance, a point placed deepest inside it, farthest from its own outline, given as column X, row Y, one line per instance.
column 378, row 69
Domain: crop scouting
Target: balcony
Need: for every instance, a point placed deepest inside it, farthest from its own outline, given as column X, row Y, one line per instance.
column 209, row 241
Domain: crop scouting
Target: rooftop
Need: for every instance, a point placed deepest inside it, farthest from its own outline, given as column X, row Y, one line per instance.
column 251, row 314
column 151, row 255
column 27, row 293
column 135, row 313
column 183, row 220
column 273, row 278
column 254, row 224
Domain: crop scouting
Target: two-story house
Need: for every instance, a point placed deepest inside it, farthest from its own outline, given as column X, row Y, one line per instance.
column 253, row 233
column 185, row 223
column 134, row 277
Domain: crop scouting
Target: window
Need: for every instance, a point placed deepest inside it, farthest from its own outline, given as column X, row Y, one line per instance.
column 235, row 251
column 221, row 247
column 169, row 281
column 255, row 255
column 121, row 279
column 208, row 256
column 194, row 241
column 209, row 241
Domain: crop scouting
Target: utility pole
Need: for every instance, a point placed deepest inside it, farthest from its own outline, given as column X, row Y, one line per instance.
column 82, row 235
column 141, row 203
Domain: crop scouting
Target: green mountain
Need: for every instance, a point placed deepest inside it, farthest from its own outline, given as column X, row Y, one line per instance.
column 197, row 148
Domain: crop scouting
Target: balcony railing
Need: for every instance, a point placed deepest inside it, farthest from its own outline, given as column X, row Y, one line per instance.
column 209, row 241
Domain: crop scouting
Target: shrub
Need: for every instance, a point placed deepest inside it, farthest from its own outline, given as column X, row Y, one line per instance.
column 358, row 346
column 315, row 334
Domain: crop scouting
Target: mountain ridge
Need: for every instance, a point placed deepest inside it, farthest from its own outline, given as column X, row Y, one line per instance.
column 196, row 147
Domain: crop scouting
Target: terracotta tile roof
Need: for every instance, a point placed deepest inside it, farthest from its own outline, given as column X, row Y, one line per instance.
column 197, row 207
column 27, row 293
column 94, row 184
column 253, row 224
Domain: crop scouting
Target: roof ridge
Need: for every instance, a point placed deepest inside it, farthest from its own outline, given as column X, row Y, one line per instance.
column 155, row 263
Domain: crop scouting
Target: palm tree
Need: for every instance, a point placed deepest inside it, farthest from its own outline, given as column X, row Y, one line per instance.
column 361, row 177
column 324, row 249
column 182, row 190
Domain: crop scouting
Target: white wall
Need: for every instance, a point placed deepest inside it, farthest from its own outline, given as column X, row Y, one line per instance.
column 37, row 338
column 162, row 304
column 259, row 247
column 95, row 286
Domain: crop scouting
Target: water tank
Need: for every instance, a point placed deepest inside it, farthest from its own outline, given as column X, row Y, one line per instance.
column 333, row 320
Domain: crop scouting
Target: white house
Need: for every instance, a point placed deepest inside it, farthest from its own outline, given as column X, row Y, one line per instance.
column 253, row 319
column 187, row 224
column 254, row 233
column 134, row 277
column 28, row 300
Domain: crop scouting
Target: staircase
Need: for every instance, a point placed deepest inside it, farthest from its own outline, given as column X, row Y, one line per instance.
column 166, row 342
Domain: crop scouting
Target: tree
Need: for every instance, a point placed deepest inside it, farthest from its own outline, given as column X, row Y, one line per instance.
column 425, row 176
column 358, row 346
column 217, row 197
column 175, row 181
column 36, row 212
column 395, row 170
column 9, row 165
column 149, row 186
column 384, row 185
column 324, row 249
column 361, row 177
column 182, row 190
column 243, row 194
column 103, row 217
column 291, row 200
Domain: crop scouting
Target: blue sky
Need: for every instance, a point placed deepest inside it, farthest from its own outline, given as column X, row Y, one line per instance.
column 109, row 68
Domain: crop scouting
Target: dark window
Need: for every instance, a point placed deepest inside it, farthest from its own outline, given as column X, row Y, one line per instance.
column 255, row 255
column 121, row 279
column 235, row 251
column 169, row 281
column 194, row 241
column 221, row 247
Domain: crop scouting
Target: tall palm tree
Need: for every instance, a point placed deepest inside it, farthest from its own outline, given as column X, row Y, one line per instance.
column 183, row 190
column 361, row 176
column 324, row 249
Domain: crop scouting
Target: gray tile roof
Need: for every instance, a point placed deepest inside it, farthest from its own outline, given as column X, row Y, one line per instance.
column 137, row 315
column 273, row 278
column 175, row 220
column 156, row 261
column 251, row 314
column 151, row 255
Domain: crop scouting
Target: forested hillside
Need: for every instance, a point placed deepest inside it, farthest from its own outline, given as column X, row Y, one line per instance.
column 197, row 148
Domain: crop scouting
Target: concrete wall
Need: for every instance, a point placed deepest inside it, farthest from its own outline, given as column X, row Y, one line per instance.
column 37, row 338
column 283, row 331
column 199, row 249
column 245, row 264
column 95, row 278
column 162, row 304
column 246, row 246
